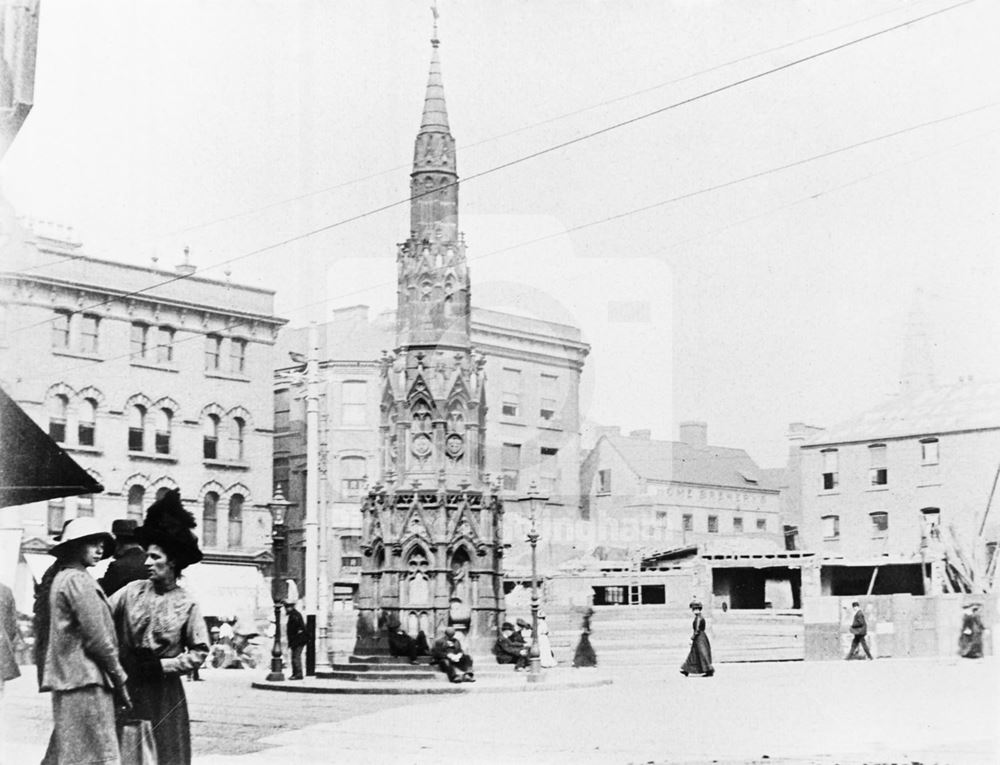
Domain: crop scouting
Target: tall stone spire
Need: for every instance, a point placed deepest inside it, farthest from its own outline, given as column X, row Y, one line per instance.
column 432, row 533
column 434, row 180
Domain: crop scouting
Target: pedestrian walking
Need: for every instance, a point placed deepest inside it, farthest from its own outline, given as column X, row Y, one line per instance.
column 298, row 637
column 699, row 659
column 546, row 657
column 10, row 637
column 859, row 628
column 129, row 561
column 80, row 666
column 161, row 632
column 970, row 642
column 584, row 656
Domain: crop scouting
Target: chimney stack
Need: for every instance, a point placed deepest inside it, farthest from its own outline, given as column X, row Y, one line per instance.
column 694, row 433
column 645, row 434
column 185, row 268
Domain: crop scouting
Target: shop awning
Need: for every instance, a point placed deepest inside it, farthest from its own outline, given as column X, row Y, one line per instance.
column 33, row 467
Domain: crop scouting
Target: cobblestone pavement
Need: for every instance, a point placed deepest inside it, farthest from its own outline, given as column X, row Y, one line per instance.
column 892, row 711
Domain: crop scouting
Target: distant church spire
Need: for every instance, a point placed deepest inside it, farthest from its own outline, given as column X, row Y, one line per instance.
column 917, row 367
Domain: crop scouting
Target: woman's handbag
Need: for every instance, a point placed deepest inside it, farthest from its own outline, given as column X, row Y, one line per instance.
column 136, row 744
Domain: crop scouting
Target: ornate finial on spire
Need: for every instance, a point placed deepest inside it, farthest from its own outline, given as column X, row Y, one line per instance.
column 434, row 10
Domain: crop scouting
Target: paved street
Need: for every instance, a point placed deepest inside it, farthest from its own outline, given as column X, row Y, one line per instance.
column 926, row 711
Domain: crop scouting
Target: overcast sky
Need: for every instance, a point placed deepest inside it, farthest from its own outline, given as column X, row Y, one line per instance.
column 232, row 126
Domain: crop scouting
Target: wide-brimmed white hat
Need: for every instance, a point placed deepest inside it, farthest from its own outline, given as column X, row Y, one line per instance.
column 84, row 528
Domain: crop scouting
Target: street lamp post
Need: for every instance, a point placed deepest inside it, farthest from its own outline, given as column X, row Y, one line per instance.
column 534, row 657
column 278, row 506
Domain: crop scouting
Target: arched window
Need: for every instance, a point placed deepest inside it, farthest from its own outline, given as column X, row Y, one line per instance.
column 236, row 436
column 164, row 417
column 136, row 494
column 88, row 422
column 210, row 519
column 57, row 418
column 236, row 521
column 210, row 437
column 136, row 428
column 161, row 492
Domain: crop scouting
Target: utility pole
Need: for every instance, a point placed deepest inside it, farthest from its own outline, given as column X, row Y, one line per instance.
column 323, row 587
column 312, row 495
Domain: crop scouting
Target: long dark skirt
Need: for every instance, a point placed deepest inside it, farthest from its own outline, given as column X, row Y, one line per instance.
column 699, row 660
column 971, row 646
column 165, row 705
column 584, row 655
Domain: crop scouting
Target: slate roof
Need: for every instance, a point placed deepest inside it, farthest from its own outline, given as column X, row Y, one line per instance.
column 681, row 462
column 927, row 412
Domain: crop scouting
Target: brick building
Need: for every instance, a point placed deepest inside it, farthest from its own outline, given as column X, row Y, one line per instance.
column 881, row 489
column 151, row 379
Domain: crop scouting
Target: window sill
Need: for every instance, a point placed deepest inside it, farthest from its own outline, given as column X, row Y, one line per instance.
column 929, row 464
column 515, row 423
column 154, row 365
column 81, row 449
column 882, row 537
column 219, row 375
column 831, row 539
column 883, row 487
column 152, row 457
column 550, row 425
column 76, row 354
column 828, row 493
column 227, row 464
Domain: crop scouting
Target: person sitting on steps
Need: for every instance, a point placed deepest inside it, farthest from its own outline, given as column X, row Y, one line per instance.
column 404, row 645
column 447, row 653
column 508, row 650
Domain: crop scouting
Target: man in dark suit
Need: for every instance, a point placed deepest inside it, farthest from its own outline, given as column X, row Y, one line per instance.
column 448, row 654
column 508, row 650
column 859, row 628
column 129, row 562
column 298, row 636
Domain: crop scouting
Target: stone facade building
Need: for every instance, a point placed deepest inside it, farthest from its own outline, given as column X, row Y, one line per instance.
column 532, row 425
column 151, row 380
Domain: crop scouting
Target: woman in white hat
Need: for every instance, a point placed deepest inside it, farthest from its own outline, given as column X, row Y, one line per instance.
column 81, row 666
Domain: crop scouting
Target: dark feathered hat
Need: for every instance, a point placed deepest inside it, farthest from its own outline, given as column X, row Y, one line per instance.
column 169, row 525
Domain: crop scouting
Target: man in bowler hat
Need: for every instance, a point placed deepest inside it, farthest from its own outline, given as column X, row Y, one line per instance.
column 129, row 562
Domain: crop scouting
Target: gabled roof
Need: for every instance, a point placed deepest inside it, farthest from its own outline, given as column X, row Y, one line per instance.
column 926, row 412
column 681, row 462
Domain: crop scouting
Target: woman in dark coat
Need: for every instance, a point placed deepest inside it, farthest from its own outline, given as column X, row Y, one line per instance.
column 970, row 642
column 584, row 655
column 699, row 660
column 161, row 633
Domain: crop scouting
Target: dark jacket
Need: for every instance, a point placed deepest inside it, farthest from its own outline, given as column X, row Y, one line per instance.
column 508, row 650
column 444, row 646
column 859, row 626
column 296, row 630
column 130, row 566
